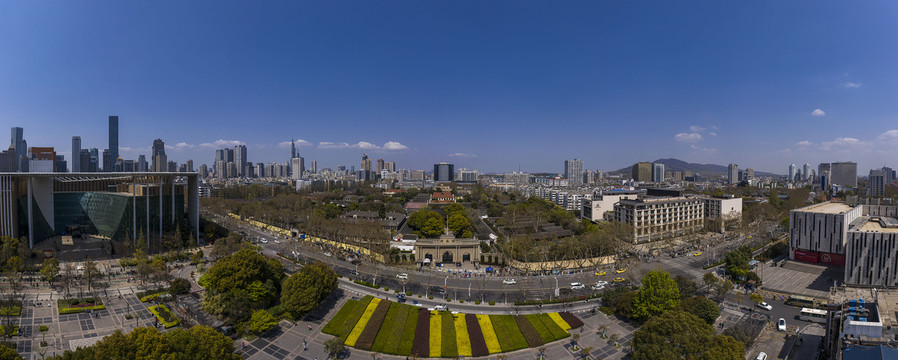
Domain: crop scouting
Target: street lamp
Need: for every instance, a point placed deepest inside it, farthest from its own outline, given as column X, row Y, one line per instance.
column 556, row 287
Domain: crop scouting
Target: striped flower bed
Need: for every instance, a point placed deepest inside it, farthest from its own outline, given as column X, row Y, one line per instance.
column 391, row 328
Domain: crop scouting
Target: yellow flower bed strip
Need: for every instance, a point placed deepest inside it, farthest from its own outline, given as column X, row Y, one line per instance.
column 461, row 336
column 436, row 330
column 560, row 321
column 489, row 335
column 360, row 326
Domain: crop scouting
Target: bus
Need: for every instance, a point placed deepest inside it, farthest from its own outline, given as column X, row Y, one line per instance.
column 801, row 301
column 813, row 315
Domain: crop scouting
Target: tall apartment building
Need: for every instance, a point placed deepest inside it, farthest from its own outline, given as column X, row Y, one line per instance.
column 443, row 172
column 660, row 218
column 240, row 161
column 844, row 173
column 877, row 183
column 791, row 173
column 160, row 160
column 76, row 154
column 465, row 175
column 366, row 162
column 733, row 174
column 573, row 171
column 806, row 172
column 642, row 171
column 658, row 172
column 113, row 154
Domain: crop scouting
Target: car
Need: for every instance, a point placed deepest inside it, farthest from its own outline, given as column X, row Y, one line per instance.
column 328, row 254
column 764, row 305
column 600, row 273
column 264, row 241
column 576, row 285
column 400, row 296
column 458, row 264
column 761, row 356
column 276, row 241
column 697, row 253
column 440, row 308
column 402, row 276
column 509, row 282
column 598, row 287
column 355, row 272
column 619, row 280
column 601, row 283
column 620, row 271
column 781, row 324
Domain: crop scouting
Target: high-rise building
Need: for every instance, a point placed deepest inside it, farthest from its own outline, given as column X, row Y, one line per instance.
column 877, row 186
column 380, row 165
column 314, row 166
column 8, row 160
column 749, row 174
column 76, row 153
column 142, row 163
column 298, row 164
column 292, row 156
column 573, row 171
column 61, row 164
column 109, row 162
column 844, row 173
column 443, row 172
column 642, row 171
column 160, row 161
column 20, row 147
column 658, row 172
column 733, row 174
column 366, row 162
column 240, row 160
column 791, row 173
column 390, row 166
column 94, row 162
column 204, row 171
column 806, row 172
column 42, row 159
column 189, row 165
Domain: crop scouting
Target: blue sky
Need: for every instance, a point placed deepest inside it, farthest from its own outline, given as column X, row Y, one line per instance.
column 493, row 85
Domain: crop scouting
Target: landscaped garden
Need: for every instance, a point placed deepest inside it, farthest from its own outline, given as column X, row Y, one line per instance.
column 10, row 307
column 73, row 306
column 391, row 328
column 164, row 316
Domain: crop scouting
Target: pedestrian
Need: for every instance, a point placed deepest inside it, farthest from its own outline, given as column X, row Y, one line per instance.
column 310, row 327
column 244, row 344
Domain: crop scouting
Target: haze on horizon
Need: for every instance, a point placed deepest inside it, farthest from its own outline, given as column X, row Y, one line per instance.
column 495, row 86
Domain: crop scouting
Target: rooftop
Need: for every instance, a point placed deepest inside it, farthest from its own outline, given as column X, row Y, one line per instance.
column 885, row 301
column 827, row 208
column 874, row 224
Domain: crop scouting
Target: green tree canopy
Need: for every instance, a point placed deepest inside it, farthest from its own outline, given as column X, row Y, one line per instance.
column 702, row 307
column 658, row 293
column 686, row 286
column 260, row 322
column 677, row 334
column 243, row 279
column 198, row 342
column 426, row 223
column 460, row 226
column 50, row 269
column 7, row 353
column 304, row 290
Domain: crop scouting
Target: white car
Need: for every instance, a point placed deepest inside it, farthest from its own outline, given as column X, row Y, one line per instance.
column 276, row 241
column 598, row 287
column 601, row 283
column 761, row 356
column 402, row 276
column 328, row 254
column 509, row 282
column 781, row 324
column 765, row 306
column 264, row 241
column 576, row 285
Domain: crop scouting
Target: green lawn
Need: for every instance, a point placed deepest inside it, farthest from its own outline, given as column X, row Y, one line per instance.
column 349, row 319
column 544, row 333
column 388, row 327
column 510, row 337
column 449, row 347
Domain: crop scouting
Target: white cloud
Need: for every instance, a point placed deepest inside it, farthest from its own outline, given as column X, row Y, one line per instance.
column 712, row 133
column 298, row 142
column 818, row 112
column 364, row 145
column 703, row 149
column 219, row 144
column 688, row 137
column 888, row 135
column 804, row 143
column 182, row 146
column 696, row 128
column 840, row 142
column 852, row 85
column 462, row 155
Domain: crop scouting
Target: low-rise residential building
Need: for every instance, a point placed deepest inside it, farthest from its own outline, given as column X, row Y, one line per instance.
column 596, row 208
column 659, row 218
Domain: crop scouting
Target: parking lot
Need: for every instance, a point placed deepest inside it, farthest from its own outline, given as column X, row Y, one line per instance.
column 799, row 278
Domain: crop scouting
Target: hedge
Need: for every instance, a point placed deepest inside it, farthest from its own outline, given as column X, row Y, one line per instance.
column 407, row 342
column 366, row 340
column 74, row 306
column 571, row 319
column 478, row 344
column 353, row 336
column 489, row 335
column 462, row 339
column 507, row 332
column 10, row 308
column 333, row 326
column 164, row 315
column 388, row 329
column 529, row 333
column 448, row 346
column 436, row 334
column 421, row 346
column 145, row 296
column 360, row 282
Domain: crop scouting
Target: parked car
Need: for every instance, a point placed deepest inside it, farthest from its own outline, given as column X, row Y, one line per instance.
column 598, row 287
column 355, row 272
column 619, row 280
column 781, row 324
column 600, row 273
column 509, row 282
column 761, row 356
column 601, row 283
column 402, row 276
column 576, row 285
column 697, row 253
column 276, row 241
column 620, row 271
column 440, row 308
column 264, row 241
column 328, row 254
column 764, row 305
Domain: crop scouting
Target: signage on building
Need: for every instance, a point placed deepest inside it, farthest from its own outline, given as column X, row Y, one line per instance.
column 808, row 256
column 832, row 259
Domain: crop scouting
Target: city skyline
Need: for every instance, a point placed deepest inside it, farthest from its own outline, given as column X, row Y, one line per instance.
column 692, row 85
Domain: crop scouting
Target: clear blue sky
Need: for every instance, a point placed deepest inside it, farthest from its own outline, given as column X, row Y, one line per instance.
column 492, row 85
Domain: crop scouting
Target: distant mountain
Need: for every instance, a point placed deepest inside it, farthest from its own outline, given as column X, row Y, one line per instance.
column 703, row 169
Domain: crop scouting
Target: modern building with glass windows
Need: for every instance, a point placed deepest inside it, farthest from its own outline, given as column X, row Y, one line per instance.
column 114, row 206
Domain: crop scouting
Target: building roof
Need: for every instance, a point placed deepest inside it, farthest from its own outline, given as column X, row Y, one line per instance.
column 874, row 224
column 862, row 352
column 828, row 207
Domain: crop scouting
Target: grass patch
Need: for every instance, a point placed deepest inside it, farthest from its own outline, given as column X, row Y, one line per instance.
column 557, row 331
column 541, row 329
column 407, row 340
column 510, row 337
column 332, row 327
column 74, row 306
column 449, row 349
column 529, row 333
column 366, row 340
column 164, row 315
column 388, row 328
column 489, row 334
column 353, row 336
column 356, row 314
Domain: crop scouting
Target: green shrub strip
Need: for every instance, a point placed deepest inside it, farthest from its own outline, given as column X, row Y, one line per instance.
column 338, row 320
column 164, row 316
column 408, row 332
column 388, row 327
column 449, row 347
column 353, row 318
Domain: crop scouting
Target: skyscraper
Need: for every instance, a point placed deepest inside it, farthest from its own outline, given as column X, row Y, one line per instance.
column 733, row 177
column 380, row 165
column 76, row 154
column 113, row 144
column 314, row 166
column 299, row 166
column 19, row 146
column 390, row 166
column 240, row 159
column 443, row 172
column 366, row 162
column 877, row 183
column 844, row 173
column 658, row 172
column 292, row 156
column 642, row 171
column 791, row 173
column 142, row 163
column 806, row 172
column 160, row 161
column 573, row 171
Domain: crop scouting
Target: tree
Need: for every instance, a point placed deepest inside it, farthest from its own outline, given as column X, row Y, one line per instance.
column 90, row 272
column 50, row 269
column 260, row 322
column 334, row 346
column 7, row 353
column 426, row 223
column 460, row 226
column 756, row 298
column 700, row 306
column 677, row 334
column 686, row 286
column 197, row 257
column 179, row 286
column 710, row 280
column 198, row 342
column 658, row 293
column 304, row 290
column 244, row 279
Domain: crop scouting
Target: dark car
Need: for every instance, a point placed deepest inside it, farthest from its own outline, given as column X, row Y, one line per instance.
column 458, row 264
column 354, row 272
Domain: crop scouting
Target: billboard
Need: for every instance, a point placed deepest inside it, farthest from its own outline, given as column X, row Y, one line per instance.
column 832, row 259
column 807, row 256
